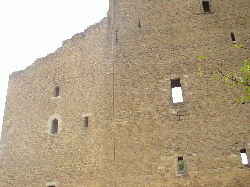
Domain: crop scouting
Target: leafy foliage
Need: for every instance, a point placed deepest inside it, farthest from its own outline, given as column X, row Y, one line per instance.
column 239, row 77
column 181, row 165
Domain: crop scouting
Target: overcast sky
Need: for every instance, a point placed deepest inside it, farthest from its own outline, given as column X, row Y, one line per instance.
column 31, row 29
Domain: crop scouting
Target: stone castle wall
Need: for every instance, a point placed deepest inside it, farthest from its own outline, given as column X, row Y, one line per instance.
column 118, row 73
column 77, row 155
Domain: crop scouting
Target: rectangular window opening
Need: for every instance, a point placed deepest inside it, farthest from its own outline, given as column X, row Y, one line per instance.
column 176, row 91
column 181, row 166
column 139, row 24
column 206, row 6
column 57, row 91
column 54, row 127
column 244, row 159
column 51, row 184
column 86, row 121
column 233, row 37
column 116, row 36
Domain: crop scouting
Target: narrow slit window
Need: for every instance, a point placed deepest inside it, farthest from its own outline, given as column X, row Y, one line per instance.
column 116, row 36
column 51, row 185
column 243, row 154
column 206, row 6
column 181, row 165
column 139, row 24
column 86, row 121
column 176, row 91
column 233, row 37
column 54, row 126
column 57, row 91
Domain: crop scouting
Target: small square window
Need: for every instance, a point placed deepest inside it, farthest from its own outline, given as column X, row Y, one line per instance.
column 206, row 6
column 244, row 159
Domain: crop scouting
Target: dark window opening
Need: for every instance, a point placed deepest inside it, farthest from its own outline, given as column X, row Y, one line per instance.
column 116, row 36
column 86, row 121
column 206, row 6
column 175, row 83
column 51, row 186
column 243, row 151
column 176, row 91
column 233, row 37
column 243, row 154
column 57, row 91
column 181, row 166
column 139, row 24
column 54, row 127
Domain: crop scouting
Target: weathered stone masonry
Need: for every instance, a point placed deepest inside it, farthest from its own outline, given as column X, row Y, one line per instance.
column 99, row 112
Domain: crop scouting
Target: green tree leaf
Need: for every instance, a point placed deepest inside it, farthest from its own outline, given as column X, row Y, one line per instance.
column 202, row 57
column 200, row 72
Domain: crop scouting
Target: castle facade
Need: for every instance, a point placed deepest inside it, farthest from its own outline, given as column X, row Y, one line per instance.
column 100, row 110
